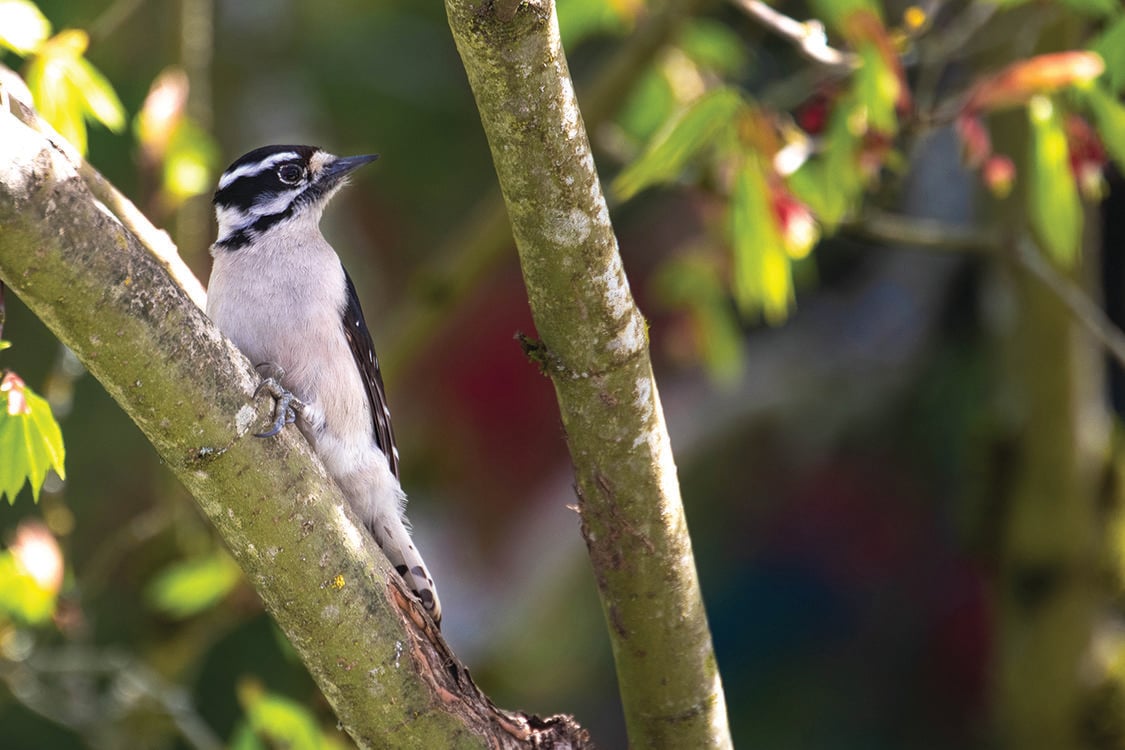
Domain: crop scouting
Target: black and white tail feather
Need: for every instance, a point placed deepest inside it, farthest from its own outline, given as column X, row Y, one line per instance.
column 280, row 293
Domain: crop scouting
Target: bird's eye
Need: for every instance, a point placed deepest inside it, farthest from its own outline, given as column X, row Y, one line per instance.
column 290, row 174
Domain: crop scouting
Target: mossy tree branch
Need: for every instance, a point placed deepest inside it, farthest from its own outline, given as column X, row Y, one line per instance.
column 595, row 349
column 391, row 679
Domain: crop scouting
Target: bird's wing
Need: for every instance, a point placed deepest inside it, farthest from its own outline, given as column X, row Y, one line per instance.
column 359, row 340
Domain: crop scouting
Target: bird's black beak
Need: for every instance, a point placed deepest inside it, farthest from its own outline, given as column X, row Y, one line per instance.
column 345, row 165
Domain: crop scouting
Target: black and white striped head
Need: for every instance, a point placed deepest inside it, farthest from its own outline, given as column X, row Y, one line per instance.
column 276, row 184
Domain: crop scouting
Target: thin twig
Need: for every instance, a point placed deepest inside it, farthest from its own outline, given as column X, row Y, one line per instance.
column 931, row 234
column 809, row 37
column 1084, row 309
column 937, row 235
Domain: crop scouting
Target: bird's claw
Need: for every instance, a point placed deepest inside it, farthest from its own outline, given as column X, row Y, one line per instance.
column 285, row 411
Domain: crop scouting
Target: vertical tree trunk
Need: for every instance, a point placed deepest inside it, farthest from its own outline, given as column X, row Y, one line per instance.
column 595, row 349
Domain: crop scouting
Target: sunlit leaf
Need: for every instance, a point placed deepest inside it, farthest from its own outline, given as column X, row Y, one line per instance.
column 100, row 100
column 1111, row 46
column 1054, row 207
column 1110, row 117
column 189, row 587
column 763, row 279
column 30, row 439
column 22, row 27
column 68, row 90
column 684, row 137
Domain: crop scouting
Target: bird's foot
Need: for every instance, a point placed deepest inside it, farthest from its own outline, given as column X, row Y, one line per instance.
column 287, row 406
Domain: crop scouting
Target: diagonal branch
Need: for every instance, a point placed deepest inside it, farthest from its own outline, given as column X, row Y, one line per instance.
column 595, row 349
column 809, row 37
column 389, row 676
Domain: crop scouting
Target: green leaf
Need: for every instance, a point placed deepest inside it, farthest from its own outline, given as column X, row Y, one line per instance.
column 4, row 344
column 1109, row 114
column 22, row 26
column 684, row 137
column 715, row 46
column 189, row 587
column 763, row 277
column 1111, row 46
column 30, row 440
column 1054, row 207
column 877, row 88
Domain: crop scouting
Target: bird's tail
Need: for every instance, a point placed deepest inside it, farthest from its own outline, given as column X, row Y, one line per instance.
column 394, row 539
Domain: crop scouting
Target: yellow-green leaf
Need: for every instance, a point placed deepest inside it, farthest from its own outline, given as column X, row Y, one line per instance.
column 30, row 439
column 279, row 719
column 68, row 90
column 684, row 137
column 22, row 27
column 1054, row 207
column 98, row 97
column 763, row 276
column 877, row 88
column 191, row 586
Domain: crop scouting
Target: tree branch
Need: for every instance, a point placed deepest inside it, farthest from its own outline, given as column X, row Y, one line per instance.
column 391, row 679
column 809, row 37
column 595, row 348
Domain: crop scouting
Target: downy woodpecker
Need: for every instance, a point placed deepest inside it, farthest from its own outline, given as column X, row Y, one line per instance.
column 280, row 293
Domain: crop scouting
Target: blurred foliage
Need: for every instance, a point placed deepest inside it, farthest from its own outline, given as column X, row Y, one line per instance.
column 275, row 721
column 1054, row 208
column 191, row 586
column 31, row 573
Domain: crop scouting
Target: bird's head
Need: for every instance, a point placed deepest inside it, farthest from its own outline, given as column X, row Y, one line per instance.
column 273, row 185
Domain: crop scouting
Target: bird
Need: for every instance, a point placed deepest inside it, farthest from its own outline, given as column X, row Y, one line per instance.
column 280, row 293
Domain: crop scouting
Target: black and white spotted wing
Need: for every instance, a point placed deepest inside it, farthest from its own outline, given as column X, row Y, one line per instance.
column 359, row 339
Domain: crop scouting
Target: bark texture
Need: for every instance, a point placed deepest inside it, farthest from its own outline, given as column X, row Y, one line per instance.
column 390, row 677
column 595, row 349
